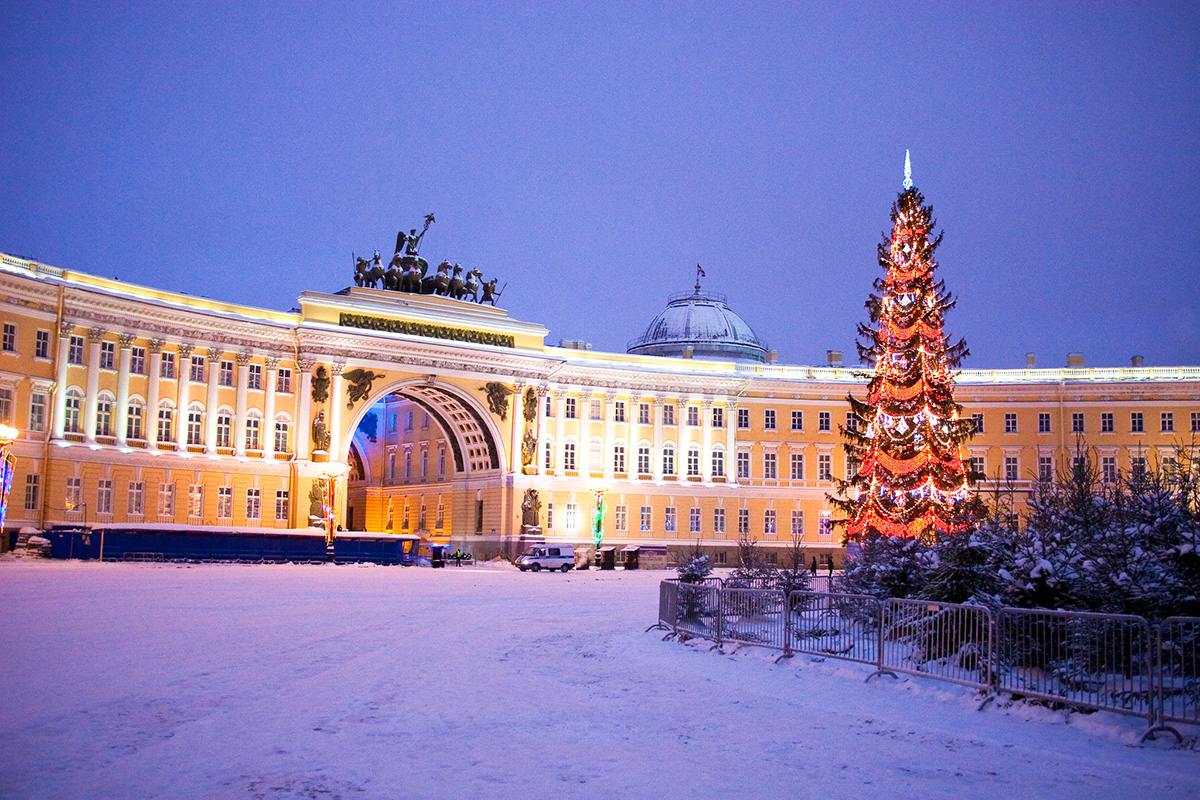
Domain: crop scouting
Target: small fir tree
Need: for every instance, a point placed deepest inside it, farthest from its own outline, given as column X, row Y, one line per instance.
column 905, row 473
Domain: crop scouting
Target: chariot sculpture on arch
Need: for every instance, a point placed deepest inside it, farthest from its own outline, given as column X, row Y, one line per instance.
column 408, row 271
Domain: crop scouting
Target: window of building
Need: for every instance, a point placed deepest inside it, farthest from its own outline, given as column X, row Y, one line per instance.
column 1077, row 422
column 253, row 504
column 108, row 355
column 977, row 423
column 134, row 421
column 572, row 516
column 72, row 417
column 224, row 430
column 424, row 465
column 693, row 416
column 6, row 406
column 104, row 496
column 693, row 462
column 621, row 518
column 1043, row 422
column 769, row 419
column 548, row 455
column 224, row 502
column 797, row 464
column 668, row 414
column 797, row 522
column 281, row 437
column 1011, row 468
column 166, row 365
column 643, row 456
column 408, row 420
column 595, row 409
column 743, row 415
column 1196, row 422
column 166, row 501
column 1167, row 422
column 1106, row 422
column 253, row 433
column 852, row 421
column 8, row 341
column 41, row 344
column 719, row 521
column 978, row 467
column 196, row 500
column 1045, row 470
column 619, row 411
column 283, row 381
column 136, row 498
column 281, row 506
column 104, row 413
column 549, row 516
column 570, row 408
column 569, row 456
column 824, row 467
column 38, row 402
column 825, row 525
column 74, row 495
column 769, row 465
column 643, row 413
column 225, row 373
column 694, row 519
column 1010, row 423
column 1137, row 422
column 668, row 459
column 645, row 519
column 75, row 350
column 166, row 427
column 824, row 421
column 718, row 463
column 197, row 369
column 769, row 523
column 797, row 420
column 743, row 464
column 669, row 519
column 254, row 377
column 195, row 420
column 1108, row 469
column 137, row 361
column 718, row 417
column 32, row 484
column 743, row 521
column 1137, row 466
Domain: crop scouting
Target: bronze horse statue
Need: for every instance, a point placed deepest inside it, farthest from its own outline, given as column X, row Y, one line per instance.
column 368, row 273
column 438, row 283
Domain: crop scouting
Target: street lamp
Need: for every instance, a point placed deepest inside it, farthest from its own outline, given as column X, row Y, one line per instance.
column 8, row 466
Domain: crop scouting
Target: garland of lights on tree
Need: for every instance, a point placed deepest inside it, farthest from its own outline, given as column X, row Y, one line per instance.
column 907, row 476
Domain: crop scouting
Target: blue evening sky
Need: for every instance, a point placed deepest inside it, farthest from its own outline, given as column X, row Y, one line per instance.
column 590, row 154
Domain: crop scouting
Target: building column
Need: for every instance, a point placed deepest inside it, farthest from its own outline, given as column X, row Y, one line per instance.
column 540, row 459
column 631, row 435
column 731, row 442
column 303, row 422
column 268, row 445
column 656, row 451
column 183, row 379
column 609, row 448
column 122, row 415
column 585, row 435
column 92, row 398
column 560, row 429
column 335, row 410
column 706, row 446
column 517, row 428
column 60, row 378
column 151, row 421
column 210, row 403
column 243, row 386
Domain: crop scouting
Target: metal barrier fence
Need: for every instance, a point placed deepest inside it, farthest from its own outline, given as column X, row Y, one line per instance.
column 1111, row 662
column 948, row 641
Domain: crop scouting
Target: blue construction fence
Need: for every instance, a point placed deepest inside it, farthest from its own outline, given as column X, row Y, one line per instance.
column 255, row 547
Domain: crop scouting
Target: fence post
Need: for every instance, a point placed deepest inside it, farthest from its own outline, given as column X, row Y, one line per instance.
column 720, row 619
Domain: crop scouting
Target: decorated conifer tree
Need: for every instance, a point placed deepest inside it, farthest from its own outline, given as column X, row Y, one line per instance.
column 907, row 476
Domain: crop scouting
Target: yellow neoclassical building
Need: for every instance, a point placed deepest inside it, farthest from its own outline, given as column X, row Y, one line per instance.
column 451, row 420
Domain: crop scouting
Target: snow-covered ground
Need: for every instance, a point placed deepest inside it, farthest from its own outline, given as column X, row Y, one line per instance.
column 157, row 681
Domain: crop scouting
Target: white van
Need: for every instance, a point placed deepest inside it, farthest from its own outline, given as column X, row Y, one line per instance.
column 548, row 556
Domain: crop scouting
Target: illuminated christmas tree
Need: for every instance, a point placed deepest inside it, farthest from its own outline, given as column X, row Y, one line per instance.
column 906, row 475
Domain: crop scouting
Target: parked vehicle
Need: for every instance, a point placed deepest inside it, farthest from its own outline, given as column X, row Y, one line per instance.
column 558, row 556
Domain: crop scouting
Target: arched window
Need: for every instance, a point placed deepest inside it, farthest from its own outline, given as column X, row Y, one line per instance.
column 693, row 461
column 134, row 420
column 619, row 457
column 224, row 427
column 668, row 459
column 643, row 458
column 718, row 462
column 104, row 414
column 254, row 431
column 596, row 455
column 71, row 422
column 195, row 424
column 282, row 430
column 166, row 421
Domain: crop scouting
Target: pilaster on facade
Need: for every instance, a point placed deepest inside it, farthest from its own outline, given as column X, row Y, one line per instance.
column 657, row 452
column 125, row 342
column 268, row 425
column 516, row 431
column 304, row 407
column 183, row 380
column 61, row 366
column 539, row 456
column 243, row 385
column 91, row 397
column 153, row 379
column 608, row 450
column 560, row 430
column 337, row 384
column 731, row 476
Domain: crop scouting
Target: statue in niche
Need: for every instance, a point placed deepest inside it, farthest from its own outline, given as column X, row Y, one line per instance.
column 320, row 434
column 359, row 381
column 530, row 409
column 317, row 496
column 320, row 385
column 531, row 512
column 497, row 397
column 528, row 448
